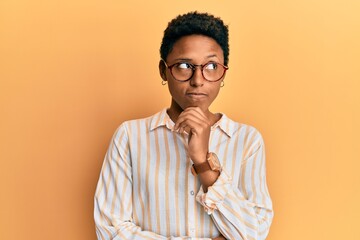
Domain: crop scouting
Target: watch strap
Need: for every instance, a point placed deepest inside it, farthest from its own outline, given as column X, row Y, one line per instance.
column 202, row 167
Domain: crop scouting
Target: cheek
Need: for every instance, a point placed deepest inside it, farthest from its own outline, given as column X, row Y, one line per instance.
column 174, row 89
column 167, row 75
column 216, row 90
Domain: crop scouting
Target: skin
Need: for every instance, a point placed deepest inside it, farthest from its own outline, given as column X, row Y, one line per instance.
column 191, row 100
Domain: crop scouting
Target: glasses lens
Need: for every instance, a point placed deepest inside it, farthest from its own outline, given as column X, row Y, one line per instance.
column 213, row 71
column 182, row 71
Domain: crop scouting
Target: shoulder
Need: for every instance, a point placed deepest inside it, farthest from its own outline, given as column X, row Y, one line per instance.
column 246, row 135
column 136, row 125
column 234, row 128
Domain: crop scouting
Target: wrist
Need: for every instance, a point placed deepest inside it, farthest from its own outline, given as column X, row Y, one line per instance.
column 211, row 163
column 199, row 158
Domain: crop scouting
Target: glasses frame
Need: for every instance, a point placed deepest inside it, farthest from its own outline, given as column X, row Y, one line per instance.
column 193, row 67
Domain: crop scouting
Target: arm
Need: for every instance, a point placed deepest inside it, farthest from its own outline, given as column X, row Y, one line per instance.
column 113, row 197
column 237, row 216
column 113, row 212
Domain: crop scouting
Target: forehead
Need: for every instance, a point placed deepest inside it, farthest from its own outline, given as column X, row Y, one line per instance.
column 196, row 48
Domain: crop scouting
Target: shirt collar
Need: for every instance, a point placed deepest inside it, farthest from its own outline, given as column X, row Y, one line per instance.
column 160, row 119
column 225, row 124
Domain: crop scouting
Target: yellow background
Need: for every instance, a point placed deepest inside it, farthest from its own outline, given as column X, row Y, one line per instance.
column 71, row 71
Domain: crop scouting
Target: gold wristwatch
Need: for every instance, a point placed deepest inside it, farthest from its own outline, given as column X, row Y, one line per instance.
column 212, row 163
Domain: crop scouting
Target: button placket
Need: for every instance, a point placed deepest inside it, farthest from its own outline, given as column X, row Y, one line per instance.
column 191, row 204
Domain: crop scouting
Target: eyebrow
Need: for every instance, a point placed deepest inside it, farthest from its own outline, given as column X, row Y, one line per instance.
column 189, row 59
column 183, row 59
column 213, row 55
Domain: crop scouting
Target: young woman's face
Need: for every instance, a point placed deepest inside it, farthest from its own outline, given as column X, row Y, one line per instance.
column 197, row 92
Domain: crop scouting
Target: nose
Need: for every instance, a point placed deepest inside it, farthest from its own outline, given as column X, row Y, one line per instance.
column 197, row 79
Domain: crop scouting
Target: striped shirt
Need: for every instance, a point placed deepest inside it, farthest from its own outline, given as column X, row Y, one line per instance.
column 146, row 189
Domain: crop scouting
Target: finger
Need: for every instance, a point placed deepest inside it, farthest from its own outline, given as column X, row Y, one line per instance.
column 196, row 109
column 192, row 126
column 189, row 118
column 193, row 114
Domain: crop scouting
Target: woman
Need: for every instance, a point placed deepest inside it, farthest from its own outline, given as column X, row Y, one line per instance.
column 185, row 172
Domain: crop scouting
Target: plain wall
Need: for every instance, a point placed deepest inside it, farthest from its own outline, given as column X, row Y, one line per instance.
column 71, row 71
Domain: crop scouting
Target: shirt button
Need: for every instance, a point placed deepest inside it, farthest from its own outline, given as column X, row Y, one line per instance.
column 192, row 193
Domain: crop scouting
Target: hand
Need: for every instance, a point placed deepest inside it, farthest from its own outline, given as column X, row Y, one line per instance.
column 194, row 121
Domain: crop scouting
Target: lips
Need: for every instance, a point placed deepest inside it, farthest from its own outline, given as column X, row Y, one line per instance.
column 196, row 95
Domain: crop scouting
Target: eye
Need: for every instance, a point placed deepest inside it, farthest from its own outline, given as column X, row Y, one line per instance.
column 183, row 65
column 211, row 66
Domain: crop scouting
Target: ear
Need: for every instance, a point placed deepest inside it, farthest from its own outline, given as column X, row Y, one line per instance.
column 162, row 70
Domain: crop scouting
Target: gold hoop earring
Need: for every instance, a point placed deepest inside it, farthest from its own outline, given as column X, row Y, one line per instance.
column 163, row 82
column 222, row 83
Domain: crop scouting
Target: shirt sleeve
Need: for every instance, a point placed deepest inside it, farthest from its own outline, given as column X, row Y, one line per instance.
column 241, row 210
column 113, row 197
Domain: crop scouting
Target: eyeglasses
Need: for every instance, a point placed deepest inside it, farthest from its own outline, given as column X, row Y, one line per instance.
column 183, row 71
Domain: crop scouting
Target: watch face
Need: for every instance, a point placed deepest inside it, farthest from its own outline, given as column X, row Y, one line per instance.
column 214, row 162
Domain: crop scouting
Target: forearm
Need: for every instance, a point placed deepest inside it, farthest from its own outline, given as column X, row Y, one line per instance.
column 241, row 221
column 126, row 230
column 235, row 216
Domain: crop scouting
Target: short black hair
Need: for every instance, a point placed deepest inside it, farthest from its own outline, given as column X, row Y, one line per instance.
column 195, row 23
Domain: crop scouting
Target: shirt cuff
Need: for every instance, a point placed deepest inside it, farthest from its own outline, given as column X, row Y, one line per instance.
column 216, row 193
